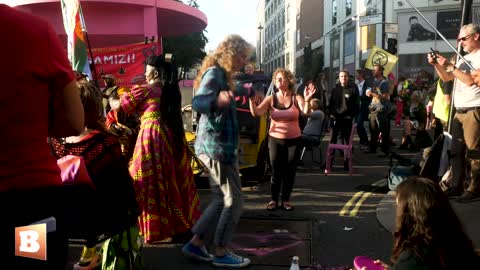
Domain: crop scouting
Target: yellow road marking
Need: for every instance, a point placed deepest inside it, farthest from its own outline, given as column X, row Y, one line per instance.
column 350, row 203
column 359, row 203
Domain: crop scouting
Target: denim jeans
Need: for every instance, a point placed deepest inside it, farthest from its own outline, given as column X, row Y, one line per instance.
column 223, row 212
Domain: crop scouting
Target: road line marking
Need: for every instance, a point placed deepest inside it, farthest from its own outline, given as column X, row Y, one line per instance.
column 350, row 203
column 379, row 183
column 359, row 204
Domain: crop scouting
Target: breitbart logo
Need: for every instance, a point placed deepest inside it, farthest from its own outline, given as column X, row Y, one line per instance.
column 31, row 241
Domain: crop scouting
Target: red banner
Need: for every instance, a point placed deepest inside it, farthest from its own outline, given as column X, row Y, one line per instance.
column 126, row 63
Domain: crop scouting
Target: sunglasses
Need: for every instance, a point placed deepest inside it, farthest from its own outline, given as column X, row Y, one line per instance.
column 465, row 37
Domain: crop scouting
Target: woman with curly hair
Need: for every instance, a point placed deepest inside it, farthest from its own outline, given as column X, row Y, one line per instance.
column 162, row 176
column 428, row 233
column 284, row 134
column 216, row 146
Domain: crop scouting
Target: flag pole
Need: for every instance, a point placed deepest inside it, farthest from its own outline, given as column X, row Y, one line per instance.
column 85, row 34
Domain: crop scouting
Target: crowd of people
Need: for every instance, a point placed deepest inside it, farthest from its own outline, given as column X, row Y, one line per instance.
column 132, row 141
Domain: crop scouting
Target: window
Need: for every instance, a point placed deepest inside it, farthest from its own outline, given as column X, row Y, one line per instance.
column 288, row 13
column 349, row 43
column 298, row 36
column 287, row 58
column 349, row 7
column 334, row 12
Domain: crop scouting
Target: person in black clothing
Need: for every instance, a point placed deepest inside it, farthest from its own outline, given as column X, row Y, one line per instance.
column 365, row 101
column 343, row 107
column 416, row 118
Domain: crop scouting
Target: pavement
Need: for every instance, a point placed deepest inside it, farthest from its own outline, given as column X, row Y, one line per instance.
column 336, row 218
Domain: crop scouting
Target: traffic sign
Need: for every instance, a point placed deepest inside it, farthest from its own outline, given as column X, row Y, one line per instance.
column 391, row 28
column 370, row 19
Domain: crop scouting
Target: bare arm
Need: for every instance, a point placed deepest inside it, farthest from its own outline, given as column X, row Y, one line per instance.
column 303, row 104
column 260, row 109
column 444, row 76
column 443, row 63
column 74, row 110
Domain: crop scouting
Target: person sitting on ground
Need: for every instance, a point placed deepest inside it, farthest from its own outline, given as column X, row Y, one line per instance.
column 428, row 233
column 416, row 119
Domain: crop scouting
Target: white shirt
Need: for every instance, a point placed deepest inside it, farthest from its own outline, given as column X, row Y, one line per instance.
column 467, row 96
column 360, row 87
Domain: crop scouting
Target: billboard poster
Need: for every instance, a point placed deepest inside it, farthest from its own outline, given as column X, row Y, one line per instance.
column 448, row 23
column 413, row 28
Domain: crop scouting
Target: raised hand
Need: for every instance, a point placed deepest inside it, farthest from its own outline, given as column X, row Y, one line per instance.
column 224, row 98
column 309, row 91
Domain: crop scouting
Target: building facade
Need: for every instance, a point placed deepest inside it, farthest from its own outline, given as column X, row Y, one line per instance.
column 272, row 17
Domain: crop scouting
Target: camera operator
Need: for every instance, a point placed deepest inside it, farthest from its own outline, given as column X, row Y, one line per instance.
column 465, row 124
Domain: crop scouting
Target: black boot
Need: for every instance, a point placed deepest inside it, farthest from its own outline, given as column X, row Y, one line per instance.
column 406, row 143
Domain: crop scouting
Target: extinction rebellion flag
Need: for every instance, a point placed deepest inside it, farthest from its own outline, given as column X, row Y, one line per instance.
column 74, row 27
column 381, row 57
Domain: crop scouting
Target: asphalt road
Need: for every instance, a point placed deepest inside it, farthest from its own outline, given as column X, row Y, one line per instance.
column 334, row 220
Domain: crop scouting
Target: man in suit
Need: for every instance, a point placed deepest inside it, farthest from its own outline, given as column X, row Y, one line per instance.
column 365, row 101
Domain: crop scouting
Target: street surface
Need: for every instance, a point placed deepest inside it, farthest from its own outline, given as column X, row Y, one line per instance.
column 336, row 217
column 334, row 220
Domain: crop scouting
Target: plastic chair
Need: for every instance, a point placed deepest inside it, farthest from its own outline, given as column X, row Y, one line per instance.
column 316, row 144
column 347, row 151
column 311, row 147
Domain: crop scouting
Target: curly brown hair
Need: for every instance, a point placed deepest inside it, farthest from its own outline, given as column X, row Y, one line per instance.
column 224, row 57
column 288, row 75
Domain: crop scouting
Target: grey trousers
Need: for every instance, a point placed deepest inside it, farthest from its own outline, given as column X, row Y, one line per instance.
column 223, row 212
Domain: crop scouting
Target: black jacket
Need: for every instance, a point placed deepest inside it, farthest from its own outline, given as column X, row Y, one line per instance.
column 365, row 100
column 344, row 101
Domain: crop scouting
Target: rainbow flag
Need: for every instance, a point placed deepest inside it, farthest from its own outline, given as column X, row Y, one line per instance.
column 75, row 27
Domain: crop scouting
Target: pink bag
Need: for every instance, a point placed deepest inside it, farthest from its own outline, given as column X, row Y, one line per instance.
column 74, row 170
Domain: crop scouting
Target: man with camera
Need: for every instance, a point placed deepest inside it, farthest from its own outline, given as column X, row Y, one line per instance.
column 465, row 126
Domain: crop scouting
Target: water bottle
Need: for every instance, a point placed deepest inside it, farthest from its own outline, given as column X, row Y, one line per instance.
column 295, row 265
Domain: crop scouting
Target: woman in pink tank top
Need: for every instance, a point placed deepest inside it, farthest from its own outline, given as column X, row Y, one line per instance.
column 284, row 135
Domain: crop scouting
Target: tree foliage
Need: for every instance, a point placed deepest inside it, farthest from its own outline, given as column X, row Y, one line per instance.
column 188, row 50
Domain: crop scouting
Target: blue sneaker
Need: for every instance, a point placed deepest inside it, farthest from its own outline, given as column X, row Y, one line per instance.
column 230, row 260
column 198, row 253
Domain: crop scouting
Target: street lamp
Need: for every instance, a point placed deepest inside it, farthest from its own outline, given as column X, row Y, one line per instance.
column 260, row 27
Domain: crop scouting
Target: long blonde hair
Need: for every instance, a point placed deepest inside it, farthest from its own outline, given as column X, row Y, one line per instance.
column 224, row 57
